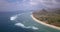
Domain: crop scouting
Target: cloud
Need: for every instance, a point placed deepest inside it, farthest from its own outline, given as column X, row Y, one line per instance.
column 33, row 3
column 15, row 5
column 51, row 3
column 15, row 1
column 5, row 6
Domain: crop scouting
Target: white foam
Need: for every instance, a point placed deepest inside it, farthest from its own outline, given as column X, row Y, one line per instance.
column 32, row 27
column 35, row 28
column 20, row 24
column 23, row 26
column 13, row 17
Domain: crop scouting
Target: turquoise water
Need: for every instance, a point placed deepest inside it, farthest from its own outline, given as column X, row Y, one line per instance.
column 24, row 20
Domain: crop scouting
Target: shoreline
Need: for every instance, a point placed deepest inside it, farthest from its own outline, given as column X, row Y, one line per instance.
column 52, row 26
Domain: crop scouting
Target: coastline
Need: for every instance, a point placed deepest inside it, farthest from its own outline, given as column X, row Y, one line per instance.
column 52, row 26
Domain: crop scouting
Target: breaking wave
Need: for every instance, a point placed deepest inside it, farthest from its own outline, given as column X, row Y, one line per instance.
column 13, row 18
column 23, row 26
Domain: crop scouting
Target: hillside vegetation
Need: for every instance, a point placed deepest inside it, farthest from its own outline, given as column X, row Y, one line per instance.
column 50, row 17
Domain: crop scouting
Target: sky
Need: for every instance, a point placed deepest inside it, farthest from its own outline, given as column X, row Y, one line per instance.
column 15, row 5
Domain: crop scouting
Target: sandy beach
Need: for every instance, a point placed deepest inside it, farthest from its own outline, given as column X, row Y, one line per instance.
column 52, row 26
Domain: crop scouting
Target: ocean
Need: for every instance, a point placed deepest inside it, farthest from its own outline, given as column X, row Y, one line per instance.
column 21, row 22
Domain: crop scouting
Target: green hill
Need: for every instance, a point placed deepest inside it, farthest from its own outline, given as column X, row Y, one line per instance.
column 50, row 17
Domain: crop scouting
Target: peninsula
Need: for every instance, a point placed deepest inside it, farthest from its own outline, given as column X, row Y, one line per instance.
column 47, row 17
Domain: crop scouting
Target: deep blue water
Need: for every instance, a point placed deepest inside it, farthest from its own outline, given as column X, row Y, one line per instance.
column 6, row 25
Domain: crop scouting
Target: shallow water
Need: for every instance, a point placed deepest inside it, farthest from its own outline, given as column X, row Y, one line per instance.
column 25, row 21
